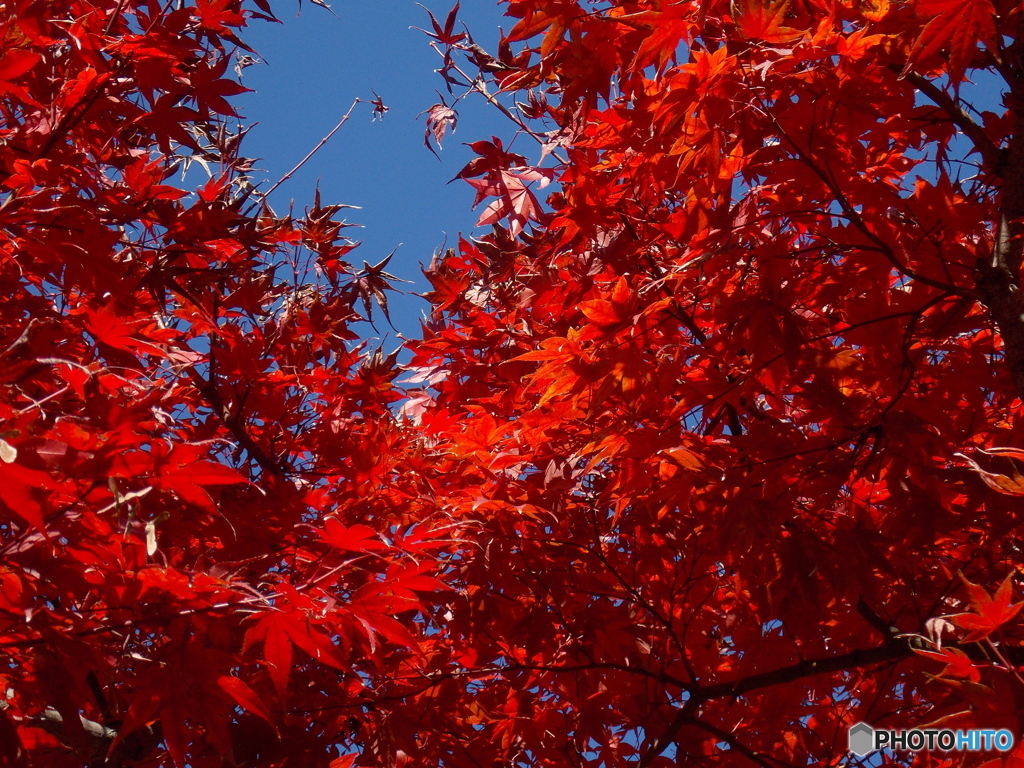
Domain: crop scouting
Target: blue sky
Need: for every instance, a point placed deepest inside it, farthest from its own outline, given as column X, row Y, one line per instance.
column 316, row 64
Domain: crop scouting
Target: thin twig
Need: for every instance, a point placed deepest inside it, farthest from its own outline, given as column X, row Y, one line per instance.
column 477, row 84
column 235, row 424
column 313, row 151
column 22, row 338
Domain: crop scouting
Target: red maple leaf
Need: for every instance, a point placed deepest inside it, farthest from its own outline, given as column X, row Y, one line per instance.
column 760, row 21
column 988, row 612
column 958, row 25
column 958, row 664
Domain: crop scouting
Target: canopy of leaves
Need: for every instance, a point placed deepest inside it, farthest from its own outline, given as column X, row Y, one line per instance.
column 702, row 462
column 733, row 415
column 213, row 540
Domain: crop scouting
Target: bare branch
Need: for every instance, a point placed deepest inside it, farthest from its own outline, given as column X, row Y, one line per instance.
column 313, row 151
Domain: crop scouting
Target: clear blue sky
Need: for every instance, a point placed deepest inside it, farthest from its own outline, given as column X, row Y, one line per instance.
column 316, row 64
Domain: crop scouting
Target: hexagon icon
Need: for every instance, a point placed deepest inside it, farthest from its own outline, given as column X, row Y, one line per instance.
column 862, row 739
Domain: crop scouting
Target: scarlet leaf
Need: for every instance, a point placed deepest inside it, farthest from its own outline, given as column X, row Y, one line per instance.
column 18, row 491
column 175, row 731
column 203, row 473
column 16, row 62
column 958, row 25
column 601, row 312
column 958, row 664
column 357, row 538
column 760, row 21
column 988, row 613
column 243, row 695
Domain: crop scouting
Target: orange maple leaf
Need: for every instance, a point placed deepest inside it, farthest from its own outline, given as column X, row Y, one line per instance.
column 1010, row 485
column 759, row 21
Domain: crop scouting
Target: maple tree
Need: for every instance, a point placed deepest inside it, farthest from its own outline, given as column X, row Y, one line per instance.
column 212, row 539
column 736, row 416
column 704, row 459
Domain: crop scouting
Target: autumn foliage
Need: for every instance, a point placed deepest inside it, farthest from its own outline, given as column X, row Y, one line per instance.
column 738, row 415
column 705, row 457
column 212, row 539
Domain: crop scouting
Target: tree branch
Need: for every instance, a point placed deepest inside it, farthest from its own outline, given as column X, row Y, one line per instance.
column 729, row 738
column 684, row 715
column 858, row 221
column 999, row 279
column 894, row 650
column 98, row 739
column 235, row 425
column 991, row 155
column 313, row 151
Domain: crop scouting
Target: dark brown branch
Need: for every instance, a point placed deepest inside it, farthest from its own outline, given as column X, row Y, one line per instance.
column 235, row 425
column 991, row 155
column 998, row 280
column 729, row 738
column 894, row 650
column 1002, row 295
column 872, row 617
column 684, row 715
column 661, row 677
